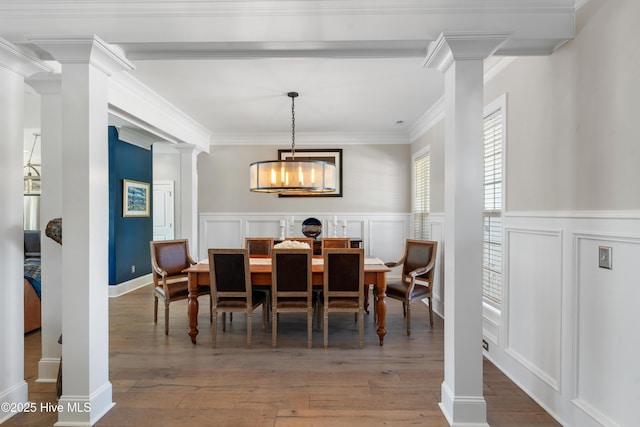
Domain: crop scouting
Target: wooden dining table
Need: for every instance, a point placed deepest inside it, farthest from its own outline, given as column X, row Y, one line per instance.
column 375, row 273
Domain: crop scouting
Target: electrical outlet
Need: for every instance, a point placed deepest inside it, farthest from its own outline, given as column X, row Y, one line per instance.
column 133, row 268
column 604, row 257
column 485, row 345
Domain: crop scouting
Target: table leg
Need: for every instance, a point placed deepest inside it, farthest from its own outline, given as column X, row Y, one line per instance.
column 366, row 298
column 193, row 306
column 381, row 306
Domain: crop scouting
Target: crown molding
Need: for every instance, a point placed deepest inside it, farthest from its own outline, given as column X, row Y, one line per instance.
column 137, row 137
column 580, row 3
column 455, row 46
column 45, row 83
column 428, row 120
column 20, row 60
column 81, row 49
column 497, row 67
column 193, row 8
column 318, row 139
column 135, row 103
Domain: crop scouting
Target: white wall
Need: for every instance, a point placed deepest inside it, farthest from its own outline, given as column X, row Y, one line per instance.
column 572, row 117
column 566, row 330
column 375, row 179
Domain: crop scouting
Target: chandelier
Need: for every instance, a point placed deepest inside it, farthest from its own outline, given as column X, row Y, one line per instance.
column 32, row 177
column 292, row 176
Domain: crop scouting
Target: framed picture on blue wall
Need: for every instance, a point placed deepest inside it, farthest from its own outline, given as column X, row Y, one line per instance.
column 135, row 198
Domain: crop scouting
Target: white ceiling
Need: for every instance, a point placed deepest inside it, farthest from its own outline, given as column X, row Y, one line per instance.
column 229, row 64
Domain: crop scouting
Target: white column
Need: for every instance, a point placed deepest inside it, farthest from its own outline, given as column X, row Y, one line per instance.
column 87, row 62
column 49, row 88
column 14, row 66
column 460, row 58
column 189, row 196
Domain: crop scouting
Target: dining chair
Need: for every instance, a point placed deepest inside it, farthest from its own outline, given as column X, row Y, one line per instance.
column 335, row 242
column 343, row 286
column 416, row 281
column 168, row 259
column 259, row 246
column 291, row 290
column 231, row 289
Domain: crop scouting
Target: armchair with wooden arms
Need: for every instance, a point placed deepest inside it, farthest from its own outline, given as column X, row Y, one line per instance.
column 416, row 282
column 168, row 259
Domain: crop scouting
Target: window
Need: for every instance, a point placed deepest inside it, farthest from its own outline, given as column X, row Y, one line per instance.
column 421, row 182
column 492, row 210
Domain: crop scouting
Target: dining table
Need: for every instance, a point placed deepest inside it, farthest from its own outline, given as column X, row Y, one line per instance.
column 375, row 273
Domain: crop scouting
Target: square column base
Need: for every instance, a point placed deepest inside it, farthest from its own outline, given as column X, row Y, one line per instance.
column 81, row 411
column 463, row 411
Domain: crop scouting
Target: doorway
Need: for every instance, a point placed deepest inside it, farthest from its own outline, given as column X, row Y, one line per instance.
column 163, row 210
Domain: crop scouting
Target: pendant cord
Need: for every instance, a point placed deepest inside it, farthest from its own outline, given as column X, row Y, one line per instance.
column 293, row 128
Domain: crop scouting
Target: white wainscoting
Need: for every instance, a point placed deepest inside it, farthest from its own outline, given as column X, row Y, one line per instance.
column 436, row 232
column 383, row 235
column 566, row 331
column 534, row 295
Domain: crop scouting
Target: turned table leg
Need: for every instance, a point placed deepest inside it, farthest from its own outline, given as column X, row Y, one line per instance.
column 381, row 306
column 193, row 306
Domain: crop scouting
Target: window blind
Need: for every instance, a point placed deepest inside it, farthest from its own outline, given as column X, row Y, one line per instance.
column 492, row 211
column 422, row 198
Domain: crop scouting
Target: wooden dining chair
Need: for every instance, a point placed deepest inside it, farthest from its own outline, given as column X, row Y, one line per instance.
column 343, row 286
column 231, row 289
column 291, row 290
column 168, row 259
column 335, row 242
column 259, row 246
column 416, row 281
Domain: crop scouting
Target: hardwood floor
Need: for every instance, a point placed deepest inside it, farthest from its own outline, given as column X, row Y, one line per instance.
column 163, row 380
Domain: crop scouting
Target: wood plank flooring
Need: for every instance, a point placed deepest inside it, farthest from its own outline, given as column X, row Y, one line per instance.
column 163, row 380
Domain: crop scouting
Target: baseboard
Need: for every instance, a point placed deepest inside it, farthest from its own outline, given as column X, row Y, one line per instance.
column 15, row 395
column 131, row 285
column 48, row 370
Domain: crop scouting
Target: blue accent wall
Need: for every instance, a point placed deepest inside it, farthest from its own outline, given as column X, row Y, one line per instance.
column 128, row 237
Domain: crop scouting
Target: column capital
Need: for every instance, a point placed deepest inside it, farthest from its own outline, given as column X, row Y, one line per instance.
column 450, row 47
column 188, row 149
column 19, row 60
column 46, row 83
column 82, row 49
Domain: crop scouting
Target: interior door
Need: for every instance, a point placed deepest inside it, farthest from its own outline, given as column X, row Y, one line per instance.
column 163, row 224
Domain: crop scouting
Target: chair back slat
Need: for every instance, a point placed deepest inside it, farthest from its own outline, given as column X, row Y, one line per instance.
column 291, row 268
column 229, row 272
column 343, row 270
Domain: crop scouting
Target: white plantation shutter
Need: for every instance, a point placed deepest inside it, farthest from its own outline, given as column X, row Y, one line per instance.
column 421, row 198
column 492, row 211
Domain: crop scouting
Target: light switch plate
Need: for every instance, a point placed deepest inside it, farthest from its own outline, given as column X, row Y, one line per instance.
column 604, row 256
